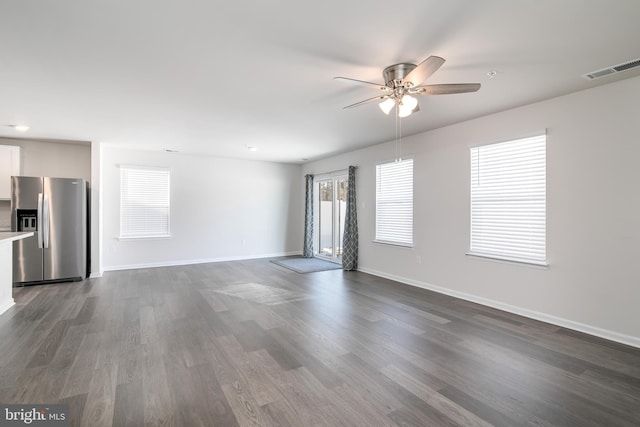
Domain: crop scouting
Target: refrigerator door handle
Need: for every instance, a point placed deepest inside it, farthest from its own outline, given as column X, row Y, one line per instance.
column 39, row 226
column 45, row 221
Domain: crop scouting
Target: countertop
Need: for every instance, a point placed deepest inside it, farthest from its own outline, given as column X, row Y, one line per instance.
column 8, row 236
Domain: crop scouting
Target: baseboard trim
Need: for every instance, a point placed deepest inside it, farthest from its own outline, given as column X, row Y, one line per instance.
column 536, row 315
column 6, row 305
column 196, row 261
column 96, row 275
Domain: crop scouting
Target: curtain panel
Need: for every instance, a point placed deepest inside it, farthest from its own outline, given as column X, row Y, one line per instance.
column 307, row 250
column 350, row 237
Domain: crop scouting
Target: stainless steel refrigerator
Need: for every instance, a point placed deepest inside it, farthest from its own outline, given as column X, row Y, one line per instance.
column 55, row 209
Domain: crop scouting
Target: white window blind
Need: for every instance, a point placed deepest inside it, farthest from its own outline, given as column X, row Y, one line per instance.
column 394, row 202
column 508, row 200
column 144, row 202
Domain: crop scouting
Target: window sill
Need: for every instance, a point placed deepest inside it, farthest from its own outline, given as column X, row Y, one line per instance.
column 543, row 265
column 386, row 242
column 168, row 236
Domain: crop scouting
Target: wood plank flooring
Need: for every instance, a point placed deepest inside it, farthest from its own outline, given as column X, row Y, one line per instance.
column 250, row 343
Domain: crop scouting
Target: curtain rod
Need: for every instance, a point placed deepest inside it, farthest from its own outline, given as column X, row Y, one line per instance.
column 335, row 171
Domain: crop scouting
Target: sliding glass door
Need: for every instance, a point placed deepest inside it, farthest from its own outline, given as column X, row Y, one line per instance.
column 330, row 206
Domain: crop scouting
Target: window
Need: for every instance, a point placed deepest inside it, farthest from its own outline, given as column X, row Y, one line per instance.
column 144, row 202
column 394, row 202
column 508, row 200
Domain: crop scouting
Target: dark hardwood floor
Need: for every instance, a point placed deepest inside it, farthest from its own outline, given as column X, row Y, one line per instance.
column 253, row 344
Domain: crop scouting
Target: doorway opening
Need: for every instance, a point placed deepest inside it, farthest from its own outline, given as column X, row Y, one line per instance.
column 329, row 207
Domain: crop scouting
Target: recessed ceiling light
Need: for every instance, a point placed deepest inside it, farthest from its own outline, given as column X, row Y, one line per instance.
column 169, row 150
column 492, row 74
column 250, row 148
column 20, row 128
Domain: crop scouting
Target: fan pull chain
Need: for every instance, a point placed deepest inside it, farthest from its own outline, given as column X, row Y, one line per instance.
column 399, row 137
column 398, row 144
column 396, row 137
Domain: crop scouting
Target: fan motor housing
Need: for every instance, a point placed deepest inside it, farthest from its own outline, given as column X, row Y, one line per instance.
column 394, row 74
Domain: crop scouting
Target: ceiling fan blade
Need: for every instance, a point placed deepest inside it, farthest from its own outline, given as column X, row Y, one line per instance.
column 362, row 83
column 357, row 104
column 445, row 89
column 423, row 71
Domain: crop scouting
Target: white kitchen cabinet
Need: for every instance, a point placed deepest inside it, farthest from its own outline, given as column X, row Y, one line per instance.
column 9, row 166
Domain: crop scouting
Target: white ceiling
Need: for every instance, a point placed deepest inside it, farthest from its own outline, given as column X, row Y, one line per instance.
column 213, row 77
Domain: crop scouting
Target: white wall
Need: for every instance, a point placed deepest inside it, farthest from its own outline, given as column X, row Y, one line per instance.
column 48, row 158
column 56, row 159
column 593, row 212
column 220, row 209
column 96, row 210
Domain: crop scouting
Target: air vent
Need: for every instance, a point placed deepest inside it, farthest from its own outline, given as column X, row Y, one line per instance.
column 627, row 65
column 611, row 70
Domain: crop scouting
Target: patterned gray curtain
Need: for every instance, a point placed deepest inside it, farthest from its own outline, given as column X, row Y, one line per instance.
column 350, row 236
column 307, row 251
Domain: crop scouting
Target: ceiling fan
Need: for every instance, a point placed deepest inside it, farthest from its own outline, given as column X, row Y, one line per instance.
column 403, row 81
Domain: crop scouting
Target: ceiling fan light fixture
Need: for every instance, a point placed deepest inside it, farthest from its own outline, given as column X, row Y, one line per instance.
column 404, row 111
column 404, row 80
column 387, row 105
column 407, row 105
column 409, row 101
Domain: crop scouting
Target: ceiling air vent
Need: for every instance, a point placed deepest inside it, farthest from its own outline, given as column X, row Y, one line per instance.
column 613, row 69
